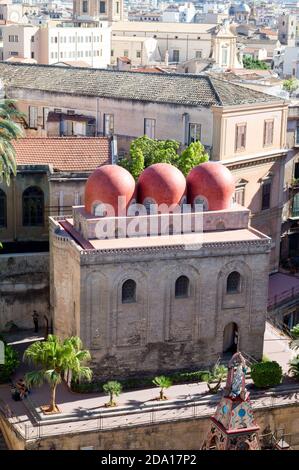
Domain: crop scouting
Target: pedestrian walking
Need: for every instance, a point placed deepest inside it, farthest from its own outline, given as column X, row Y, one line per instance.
column 35, row 321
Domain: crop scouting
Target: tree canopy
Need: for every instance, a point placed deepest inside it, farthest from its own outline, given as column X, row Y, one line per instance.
column 9, row 131
column 251, row 63
column 291, row 84
column 145, row 151
column 55, row 357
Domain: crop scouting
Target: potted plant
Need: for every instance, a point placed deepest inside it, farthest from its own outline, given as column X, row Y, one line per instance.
column 215, row 377
column 162, row 382
column 55, row 358
column 113, row 389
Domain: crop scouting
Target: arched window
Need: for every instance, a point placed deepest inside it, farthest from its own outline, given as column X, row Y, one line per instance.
column 3, row 209
column 99, row 210
column 150, row 205
column 128, row 294
column 233, row 283
column 33, row 206
column 182, row 287
column 201, row 203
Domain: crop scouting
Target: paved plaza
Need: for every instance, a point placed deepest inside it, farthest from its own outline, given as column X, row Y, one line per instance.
column 81, row 412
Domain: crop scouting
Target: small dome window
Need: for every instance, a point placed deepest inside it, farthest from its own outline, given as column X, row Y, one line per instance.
column 150, row 205
column 201, row 203
column 99, row 210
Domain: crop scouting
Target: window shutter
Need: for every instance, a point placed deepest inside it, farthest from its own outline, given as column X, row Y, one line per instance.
column 32, row 116
column 243, row 136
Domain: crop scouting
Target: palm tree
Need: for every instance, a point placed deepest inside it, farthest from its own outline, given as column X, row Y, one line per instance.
column 9, row 131
column 162, row 382
column 215, row 377
column 55, row 358
column 113, row 389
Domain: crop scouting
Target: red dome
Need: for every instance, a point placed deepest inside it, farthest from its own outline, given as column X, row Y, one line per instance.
column 161, row 183
column 105, row 185
column 213, row 182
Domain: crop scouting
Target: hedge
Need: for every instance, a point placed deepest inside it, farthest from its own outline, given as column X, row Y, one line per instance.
column 266, row 374
column 142, row 382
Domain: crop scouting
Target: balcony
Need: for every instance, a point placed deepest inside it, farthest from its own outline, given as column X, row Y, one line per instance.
column 295, row 202
column 295, row 212
column 295, row 184
column 293, row 112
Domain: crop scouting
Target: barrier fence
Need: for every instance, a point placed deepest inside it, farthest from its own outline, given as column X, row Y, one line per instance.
column 278, row 299
column 126, row 419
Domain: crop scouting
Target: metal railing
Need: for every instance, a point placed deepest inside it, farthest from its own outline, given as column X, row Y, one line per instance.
column 143, row 415
column 282, row 327
column 12, row 420
column 278, row 439
column 249, row 359
column 284, row 296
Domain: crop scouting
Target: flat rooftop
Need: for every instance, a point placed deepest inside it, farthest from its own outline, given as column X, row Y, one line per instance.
column 162, row 27
column 187, row 239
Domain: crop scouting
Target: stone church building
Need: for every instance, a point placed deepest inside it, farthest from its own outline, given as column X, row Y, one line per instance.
column 150, row 287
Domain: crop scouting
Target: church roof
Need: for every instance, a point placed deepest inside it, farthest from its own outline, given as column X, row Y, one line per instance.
column 179, row 89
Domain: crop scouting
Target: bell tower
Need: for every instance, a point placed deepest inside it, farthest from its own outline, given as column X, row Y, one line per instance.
column 106, row 10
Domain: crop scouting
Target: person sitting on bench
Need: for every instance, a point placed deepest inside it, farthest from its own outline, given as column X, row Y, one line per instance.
column 22, row 388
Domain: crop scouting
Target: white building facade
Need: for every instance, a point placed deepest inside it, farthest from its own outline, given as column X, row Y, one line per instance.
column 72, row 42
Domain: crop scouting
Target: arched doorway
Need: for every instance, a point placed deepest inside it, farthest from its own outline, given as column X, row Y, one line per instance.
column 230, row 338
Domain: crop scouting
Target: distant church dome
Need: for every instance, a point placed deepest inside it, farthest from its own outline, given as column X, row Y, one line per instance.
column 243, row 8
column 238, row 8
column 161, row 183
column 212, row 185
column 104, row 186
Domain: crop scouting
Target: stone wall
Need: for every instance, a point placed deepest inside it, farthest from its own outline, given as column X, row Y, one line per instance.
column 15, row 229
column 183, row 435
column 11, row 437
column 159, row 331
column 24, row 287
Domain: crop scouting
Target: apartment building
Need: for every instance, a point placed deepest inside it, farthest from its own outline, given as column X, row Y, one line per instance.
column 290, row 226
column 180, row 42
column 87, row 42
column 243, row 128
column 183, row 41
column 10, row 11
column 139, row 50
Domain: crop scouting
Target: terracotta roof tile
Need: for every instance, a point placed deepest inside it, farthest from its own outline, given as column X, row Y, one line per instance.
column 182, row 89
column 82, row 154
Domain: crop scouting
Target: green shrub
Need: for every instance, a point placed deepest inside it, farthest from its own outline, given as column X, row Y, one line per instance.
column 266, row 374
column 295, row 331
column 142, row 382
column 11, row 363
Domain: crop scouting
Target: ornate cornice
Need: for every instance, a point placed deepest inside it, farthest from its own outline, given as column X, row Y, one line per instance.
column 254, row 162
column 207, row 249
